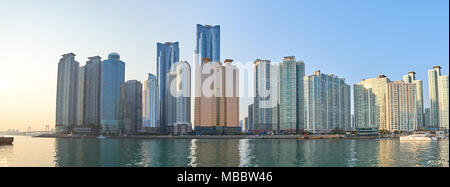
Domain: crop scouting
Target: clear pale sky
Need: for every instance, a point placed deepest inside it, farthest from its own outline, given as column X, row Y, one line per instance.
column 354, row 39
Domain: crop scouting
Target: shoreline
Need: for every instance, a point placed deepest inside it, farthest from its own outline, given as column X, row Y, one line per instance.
column 300, row 137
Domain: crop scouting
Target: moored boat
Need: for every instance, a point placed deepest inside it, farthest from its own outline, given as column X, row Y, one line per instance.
column 6, row 140
column 416, row 137
column 101, row 137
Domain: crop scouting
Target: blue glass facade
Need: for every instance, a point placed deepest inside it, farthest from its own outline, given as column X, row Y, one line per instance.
column 208, row 43
column 113, row 75
column 167, row 55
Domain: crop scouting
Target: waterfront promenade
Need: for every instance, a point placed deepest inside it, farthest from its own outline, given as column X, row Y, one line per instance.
column 224, row 137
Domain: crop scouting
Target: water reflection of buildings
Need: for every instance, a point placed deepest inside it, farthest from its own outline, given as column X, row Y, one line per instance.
column 400, row 154
column 166, row 153
column 75, row 153
column 248, row 153
column 330, row 153
column 385, row 153
column 212, row 153
column 91, row 153
column 246, row 156
column 443, row 149
column 273, row 153
column 361, row 152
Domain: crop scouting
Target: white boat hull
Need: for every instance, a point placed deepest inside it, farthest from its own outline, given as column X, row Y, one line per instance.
column 421, row 139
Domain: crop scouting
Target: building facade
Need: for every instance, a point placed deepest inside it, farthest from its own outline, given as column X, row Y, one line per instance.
column 167, row 55
column 327, row 103
column 131, row 103
column 81, row 112
column 370, row 103
column 292, row 73
column 67, row 93
column 112, row 77
column 150, row 103
column 251, row 127
column 275, row 96
column 427, row 118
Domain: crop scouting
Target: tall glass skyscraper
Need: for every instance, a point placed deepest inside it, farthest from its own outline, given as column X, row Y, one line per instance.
column 67, row 93
column 207, row 44
column 291, row 94
column 93, row 81
column 150, row 102
column 113, row 76
column 167, row 55
column 327, row 103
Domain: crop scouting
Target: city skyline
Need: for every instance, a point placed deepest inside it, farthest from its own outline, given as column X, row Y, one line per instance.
column 141, row 62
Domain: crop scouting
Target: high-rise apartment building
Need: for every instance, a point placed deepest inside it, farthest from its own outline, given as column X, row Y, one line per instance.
column 370, row 103
column 433, row 85
column 92, row 91
column 292, row 73
column 217, row 98
column 327, row 103
column 150, row 102
column 439, row 93
column 167, row 55
column 67, row 93
column 443, row 102
column 112, row 77
column 131, row 103
column 179, row 96
column 401, row 106
column 411, row 78
column 266, row 95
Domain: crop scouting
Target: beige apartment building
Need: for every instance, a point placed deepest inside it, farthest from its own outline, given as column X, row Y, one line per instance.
column 216, row 99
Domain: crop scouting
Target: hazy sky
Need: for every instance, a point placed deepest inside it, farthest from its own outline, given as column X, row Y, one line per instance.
column 354, row 39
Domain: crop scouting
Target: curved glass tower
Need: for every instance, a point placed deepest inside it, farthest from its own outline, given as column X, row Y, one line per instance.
column 208, row 43
column 113, row 75
column 167, row 55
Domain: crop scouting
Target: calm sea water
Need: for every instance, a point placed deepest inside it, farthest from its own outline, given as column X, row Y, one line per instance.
column 28, row 151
